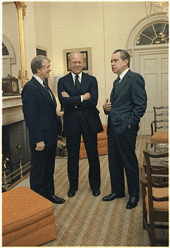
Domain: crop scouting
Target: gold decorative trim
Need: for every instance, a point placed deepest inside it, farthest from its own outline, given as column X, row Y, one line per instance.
column 21, row 11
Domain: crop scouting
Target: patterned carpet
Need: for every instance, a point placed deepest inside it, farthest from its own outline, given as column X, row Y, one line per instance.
column 85, row 220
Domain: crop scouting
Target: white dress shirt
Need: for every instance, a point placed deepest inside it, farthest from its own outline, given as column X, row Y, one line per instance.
column 123, row 74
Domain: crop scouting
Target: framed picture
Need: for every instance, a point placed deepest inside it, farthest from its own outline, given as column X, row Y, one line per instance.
column 87, row 54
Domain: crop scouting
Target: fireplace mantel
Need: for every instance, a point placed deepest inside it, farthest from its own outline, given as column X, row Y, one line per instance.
column 11, row 110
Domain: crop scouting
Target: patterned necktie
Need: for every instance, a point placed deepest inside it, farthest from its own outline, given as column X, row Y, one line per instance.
column 77, row 83
column 48, row 90
column 46, row 86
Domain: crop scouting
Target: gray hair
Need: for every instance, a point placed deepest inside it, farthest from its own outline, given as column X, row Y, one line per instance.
column 123, row 55
column 37, row 63
column 73, row 53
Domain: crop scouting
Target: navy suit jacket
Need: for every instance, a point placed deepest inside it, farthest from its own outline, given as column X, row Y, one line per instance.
column 88, row 84
column 128, row 103
column 40, row 114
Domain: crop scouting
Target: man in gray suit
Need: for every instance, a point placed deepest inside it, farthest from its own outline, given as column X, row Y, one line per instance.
column 128, row 102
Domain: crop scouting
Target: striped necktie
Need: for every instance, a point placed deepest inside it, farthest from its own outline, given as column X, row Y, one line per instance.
column 46, row 86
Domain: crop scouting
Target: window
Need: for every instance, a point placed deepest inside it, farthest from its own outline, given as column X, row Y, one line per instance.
column 157, row 33
column 4, row 50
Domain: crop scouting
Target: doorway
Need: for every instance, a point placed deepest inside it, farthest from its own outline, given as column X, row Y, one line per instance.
column 148, row 46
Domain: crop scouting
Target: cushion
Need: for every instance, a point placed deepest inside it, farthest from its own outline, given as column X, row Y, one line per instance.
column 24, row 213
column 160, row 137
column 101, row 144
column 158, row 192
column 158, row 206
column 100, row 136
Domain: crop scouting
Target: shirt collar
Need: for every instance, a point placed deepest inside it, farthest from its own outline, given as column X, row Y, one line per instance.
column 38, row 79
column 73, row 75
column 123, row 73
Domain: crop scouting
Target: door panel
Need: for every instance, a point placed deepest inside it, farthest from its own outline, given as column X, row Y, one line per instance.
column 153, row 66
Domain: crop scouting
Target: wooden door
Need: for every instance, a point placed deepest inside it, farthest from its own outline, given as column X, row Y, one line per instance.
column 153, row 66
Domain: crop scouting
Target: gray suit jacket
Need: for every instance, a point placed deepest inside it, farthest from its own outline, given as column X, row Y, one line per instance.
column 129, row 102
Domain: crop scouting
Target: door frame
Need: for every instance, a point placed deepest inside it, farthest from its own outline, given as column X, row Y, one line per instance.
column 137, row 29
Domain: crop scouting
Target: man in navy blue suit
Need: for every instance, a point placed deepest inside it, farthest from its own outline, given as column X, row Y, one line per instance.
column 127, row 105
column 44, row 125
column 78, row 94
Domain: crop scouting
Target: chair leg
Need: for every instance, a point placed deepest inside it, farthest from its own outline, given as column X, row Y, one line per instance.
column 152, row 233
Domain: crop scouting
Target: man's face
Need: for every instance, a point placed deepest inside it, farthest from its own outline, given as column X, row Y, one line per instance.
column 76, row 63
column 118, row 65
column 44, row 72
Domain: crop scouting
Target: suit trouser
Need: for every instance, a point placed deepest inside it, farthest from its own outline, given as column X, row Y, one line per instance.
column 73, row 148
column 42, row 170
column 121, row 153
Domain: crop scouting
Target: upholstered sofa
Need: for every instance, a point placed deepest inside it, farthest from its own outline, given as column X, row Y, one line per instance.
column 101, row 142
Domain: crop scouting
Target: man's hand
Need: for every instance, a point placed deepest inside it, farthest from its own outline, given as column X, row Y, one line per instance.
column 64, row 94
column 40, row 146
column 107, row 105
column 86, row 96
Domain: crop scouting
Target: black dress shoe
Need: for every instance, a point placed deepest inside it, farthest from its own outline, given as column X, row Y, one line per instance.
column 96, row 192
column 113, row 196
column 55, row 199
column 71, row 192
column 133, row 202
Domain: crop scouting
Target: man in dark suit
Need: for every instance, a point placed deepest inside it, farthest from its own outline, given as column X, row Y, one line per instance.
column 78, row 94
column 44, row 125
column 127, row 105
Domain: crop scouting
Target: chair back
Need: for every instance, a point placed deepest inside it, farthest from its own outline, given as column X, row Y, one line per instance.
column 160, row 119
column 157, row 203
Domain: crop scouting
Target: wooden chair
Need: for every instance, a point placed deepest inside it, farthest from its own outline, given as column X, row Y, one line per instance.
column 159, row 127
column 155, row 197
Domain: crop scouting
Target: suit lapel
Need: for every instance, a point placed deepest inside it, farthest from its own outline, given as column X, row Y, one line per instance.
column 84, row 82
column 83, row 86
column 43, row 91
column 70, row 84
column 122, row 83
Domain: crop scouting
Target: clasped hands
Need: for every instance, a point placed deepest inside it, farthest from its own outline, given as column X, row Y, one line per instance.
column 86, row 96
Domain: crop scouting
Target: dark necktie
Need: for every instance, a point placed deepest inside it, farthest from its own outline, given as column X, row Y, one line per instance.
column 118, row 79
column 114, row 88
column 77, row 83
column 116, row 84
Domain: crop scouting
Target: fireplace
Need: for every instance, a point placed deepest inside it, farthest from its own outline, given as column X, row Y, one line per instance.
column 15, row 143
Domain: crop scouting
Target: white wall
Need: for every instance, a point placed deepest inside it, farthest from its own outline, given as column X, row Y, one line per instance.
column 104, row 26
column 79, row 25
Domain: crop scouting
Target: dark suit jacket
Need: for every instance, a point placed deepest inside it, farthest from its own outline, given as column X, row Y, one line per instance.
column 128, row 103
column 88, row 84
column 40, row 114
